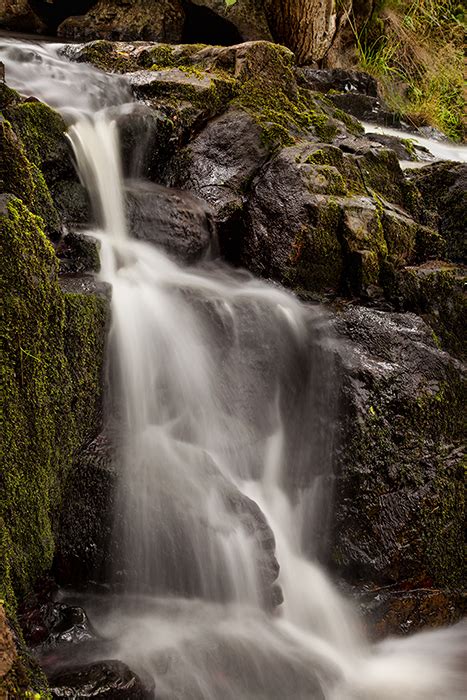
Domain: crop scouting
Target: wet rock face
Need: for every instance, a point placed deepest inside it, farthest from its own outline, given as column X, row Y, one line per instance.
column 176, row 221
column 444, row 190
column 399, row 493
column 386, row 612
column 109, row 680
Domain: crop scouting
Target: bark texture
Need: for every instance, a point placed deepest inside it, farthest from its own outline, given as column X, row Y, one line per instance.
column 307, row 27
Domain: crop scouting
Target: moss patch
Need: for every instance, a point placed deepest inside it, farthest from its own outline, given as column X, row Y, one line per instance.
column 23, row 178
column 51, row 373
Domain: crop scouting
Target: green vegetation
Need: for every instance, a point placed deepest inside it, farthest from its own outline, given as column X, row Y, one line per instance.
column 415, row 49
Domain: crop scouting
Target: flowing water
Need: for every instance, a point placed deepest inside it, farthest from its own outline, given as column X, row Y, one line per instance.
column 434, row 149
column 222, row 395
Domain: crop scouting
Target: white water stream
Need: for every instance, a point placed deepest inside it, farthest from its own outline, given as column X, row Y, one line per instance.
column 223, row 392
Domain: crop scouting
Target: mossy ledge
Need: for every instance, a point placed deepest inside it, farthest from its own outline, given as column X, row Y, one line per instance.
column 51, row 374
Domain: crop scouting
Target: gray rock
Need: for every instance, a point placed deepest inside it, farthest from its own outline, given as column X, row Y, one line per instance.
column 177, row 221
column 399, row 507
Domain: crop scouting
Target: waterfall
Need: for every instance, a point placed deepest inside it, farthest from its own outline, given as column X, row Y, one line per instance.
column 222, row 400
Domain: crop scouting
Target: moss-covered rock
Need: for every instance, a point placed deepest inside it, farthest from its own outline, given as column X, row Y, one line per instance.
column 23, row 178
column 42, row 131
column 51, row 373
column 400, row 494
column 443, row 187
column 51, row 376
column 436, row 291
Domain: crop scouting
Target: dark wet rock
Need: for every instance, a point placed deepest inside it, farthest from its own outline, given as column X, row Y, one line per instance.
column 109, row 680
column 218, row 165
column 404, row 148
column 78, row 253
column 365, row 107
column 388, row 612
column 149, row 136
column 435, row 290
column 337, row 80
column 178, row 222
column 53, row 624
column 443, row 187
column 83, row 546
column 148, row 20
column 399, row 507
column 314, row 223
column 72, row 203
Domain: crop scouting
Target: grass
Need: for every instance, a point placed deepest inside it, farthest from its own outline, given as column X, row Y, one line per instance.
column 415, row 49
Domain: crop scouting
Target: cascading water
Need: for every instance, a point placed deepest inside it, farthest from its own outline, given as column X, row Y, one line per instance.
column 222, row 398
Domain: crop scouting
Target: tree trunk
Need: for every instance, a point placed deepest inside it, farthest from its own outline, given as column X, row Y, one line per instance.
column 305, row 26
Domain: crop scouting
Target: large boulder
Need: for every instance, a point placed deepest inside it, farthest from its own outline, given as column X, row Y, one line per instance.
column 19, row 16
column 400, row 500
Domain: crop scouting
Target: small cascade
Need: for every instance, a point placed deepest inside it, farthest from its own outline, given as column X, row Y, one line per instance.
column 223, row 400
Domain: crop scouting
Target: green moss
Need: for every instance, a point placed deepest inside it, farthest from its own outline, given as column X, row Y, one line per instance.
column 437, row 294
column 268, row 91
column 51, row 382
column 315, row 259
column 24, row 179
column 104, row 55
column 8, row 96
column 41, row 130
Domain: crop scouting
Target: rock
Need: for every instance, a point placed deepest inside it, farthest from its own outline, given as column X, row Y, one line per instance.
column 24, row 179
column 245, row 16
column 391, row 612
column 337, row 80
column 314, row 224
column 176, row 221
column 365, row 107
column 109, row 680
column 399, row 494
column 19, row 16
column 218, row 165
column 89, row 543
column 443, row 187
column 52, row 378
column 78, row 253
column 20, row 676
column 42, row 131
column 86, row 525
column 55, row 192
column 435, row 290
column 148, row 20
column 53, row 624
column 404, row 148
